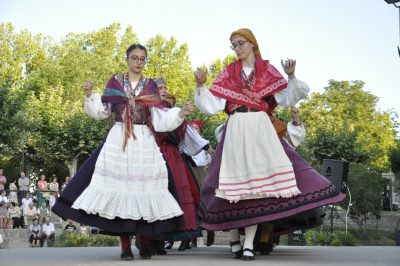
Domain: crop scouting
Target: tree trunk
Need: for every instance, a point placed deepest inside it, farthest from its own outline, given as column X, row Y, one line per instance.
column 73, row 164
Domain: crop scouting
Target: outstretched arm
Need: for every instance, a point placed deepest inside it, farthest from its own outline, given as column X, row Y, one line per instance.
column 296, row 89
column 203, row 98
column 93, row 105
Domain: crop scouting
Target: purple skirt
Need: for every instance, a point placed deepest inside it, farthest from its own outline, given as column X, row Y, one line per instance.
column 219, row 214
column 118, row 226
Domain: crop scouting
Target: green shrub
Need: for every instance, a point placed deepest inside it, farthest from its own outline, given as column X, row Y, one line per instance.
column 67, row 239
column 324, row 238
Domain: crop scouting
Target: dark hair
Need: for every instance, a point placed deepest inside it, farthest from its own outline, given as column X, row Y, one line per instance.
column 13, row 203
column 135, row 46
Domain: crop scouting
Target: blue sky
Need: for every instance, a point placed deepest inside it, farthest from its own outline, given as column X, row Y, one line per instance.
column 340, row 39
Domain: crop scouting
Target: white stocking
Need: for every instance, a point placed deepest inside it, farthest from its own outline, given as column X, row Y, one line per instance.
column 234, row 236
column 249, row 233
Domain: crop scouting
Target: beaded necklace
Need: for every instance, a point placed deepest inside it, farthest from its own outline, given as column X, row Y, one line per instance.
column 248, row 82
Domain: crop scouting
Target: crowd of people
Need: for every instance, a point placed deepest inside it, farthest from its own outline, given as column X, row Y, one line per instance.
column 24, row 205
column 156, row 178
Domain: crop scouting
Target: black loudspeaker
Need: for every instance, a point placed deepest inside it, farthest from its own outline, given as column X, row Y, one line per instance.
column 337, row 172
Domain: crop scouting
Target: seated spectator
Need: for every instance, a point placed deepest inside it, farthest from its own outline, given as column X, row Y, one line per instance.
column 66, row 181
column 43, row 213
column 70, row 227
column 14, row 214
column 30, row 214
column 34, row 233
column 3, row 197
column 48, row 233
column 84, row 230
column 3, row 215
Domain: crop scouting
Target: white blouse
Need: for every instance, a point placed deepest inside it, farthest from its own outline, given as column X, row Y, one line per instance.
column 193, row 142
column 163, row 121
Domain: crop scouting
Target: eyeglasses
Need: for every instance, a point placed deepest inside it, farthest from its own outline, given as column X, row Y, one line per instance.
column 237, row 45
column 139, row 59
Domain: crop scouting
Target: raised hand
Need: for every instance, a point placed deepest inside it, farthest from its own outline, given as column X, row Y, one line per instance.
column 88, row 88
column 201, row 76
column 289, row 66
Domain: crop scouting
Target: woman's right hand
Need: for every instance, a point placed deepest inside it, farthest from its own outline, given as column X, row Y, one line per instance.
column 88, row 88
column 201, row 77
column 187, row 109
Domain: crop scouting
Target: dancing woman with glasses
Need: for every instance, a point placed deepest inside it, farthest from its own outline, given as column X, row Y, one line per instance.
column 255, row 177
column 123, row 187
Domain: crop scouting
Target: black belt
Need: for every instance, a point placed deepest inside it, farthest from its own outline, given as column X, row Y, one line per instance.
column 243, row 109
column 135, row 122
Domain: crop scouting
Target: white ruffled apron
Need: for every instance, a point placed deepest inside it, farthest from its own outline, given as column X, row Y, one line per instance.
column 254, row 164
column 131, row 184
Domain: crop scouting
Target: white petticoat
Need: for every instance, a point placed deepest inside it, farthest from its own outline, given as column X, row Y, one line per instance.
column 130, row 184
column 254, row 163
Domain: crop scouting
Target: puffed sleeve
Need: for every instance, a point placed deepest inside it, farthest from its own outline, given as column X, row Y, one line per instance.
column 164, row 119
column 207, row 102
column 292, row 94
column 94, row 107
column 296, row 134
column 192, row 143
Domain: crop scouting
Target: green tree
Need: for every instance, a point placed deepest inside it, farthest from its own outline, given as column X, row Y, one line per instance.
column 365, row 185
column 171, row 61
column 21, row 54
column 345, row 121
column 395, row 158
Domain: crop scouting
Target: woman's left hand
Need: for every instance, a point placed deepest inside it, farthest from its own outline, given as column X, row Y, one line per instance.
column 289, row 66
column 210, row 150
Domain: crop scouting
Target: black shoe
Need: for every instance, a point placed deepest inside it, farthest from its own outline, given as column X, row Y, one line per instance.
column 159, row 247
column 237, row 254
column 210, row 238
column 264, row 248
column 127, row 255
column 145, row 253
column 169, row 245
column 185, row 244
column 245, row 257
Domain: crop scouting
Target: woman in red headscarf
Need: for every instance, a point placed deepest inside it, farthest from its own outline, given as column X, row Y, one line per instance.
column 254, row 176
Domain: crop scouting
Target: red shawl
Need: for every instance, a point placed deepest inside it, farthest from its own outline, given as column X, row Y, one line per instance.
column 230, row 86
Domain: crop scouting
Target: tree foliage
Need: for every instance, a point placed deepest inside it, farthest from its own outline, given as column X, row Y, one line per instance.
column 365, row 185
column 344, row 123
column 41, row 100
